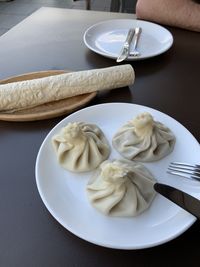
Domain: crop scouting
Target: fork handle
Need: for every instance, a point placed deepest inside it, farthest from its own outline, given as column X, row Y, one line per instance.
column 137, row 35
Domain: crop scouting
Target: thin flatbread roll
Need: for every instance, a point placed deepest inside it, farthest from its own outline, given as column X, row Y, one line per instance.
column 30, row 93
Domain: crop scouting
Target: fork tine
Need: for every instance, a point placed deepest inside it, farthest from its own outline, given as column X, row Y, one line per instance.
column 190, row 172
column 185, row 164
column 185, row 175
column 190, row 169
column 185, row 170
column 134, row 54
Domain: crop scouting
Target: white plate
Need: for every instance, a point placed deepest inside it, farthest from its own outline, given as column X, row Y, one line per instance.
column 64, row 195
column 107, row 38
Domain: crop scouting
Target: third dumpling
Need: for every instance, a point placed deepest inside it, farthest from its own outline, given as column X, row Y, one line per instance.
column 144, row 139
column 121, row 188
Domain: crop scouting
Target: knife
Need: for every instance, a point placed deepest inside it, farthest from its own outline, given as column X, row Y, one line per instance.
column 126, row 46
column 182, row 199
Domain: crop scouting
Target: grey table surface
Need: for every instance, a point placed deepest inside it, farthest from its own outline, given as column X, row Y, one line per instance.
column 51, row 38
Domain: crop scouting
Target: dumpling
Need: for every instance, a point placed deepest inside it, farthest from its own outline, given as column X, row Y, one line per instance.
column 80, row 147
column 144, row 139
column 121, row 188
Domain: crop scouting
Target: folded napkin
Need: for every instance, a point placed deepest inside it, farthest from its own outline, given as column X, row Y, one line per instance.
column 30, row 93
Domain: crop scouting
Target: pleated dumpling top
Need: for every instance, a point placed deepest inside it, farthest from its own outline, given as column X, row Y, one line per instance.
column 144, row 139
column 121, row 188
column 80, row 147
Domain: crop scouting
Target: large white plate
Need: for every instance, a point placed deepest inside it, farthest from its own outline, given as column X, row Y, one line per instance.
column 63, row 192
column 106, row 38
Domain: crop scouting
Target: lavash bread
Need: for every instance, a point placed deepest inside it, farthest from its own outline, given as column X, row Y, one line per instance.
column 30, row 93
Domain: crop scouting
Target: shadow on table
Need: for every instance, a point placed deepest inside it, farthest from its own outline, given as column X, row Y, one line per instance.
column 142, row 68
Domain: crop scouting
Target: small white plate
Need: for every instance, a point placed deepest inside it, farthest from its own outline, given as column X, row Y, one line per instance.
column 107, row 38
column 64, row 194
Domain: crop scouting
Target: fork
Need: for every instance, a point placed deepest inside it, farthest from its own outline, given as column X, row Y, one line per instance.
column 135, row 52
column 185, row 170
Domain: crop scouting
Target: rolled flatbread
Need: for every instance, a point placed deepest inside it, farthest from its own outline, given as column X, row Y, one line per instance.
column 30, row 93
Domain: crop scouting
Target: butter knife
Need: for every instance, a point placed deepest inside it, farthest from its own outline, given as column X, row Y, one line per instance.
column 126, row 46
column 180, row 198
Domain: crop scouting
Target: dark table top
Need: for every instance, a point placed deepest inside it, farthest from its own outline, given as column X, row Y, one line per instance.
column 52, row 39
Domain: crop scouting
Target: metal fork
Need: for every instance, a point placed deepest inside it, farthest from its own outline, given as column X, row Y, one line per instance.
column 185, row 170
column 135, row 52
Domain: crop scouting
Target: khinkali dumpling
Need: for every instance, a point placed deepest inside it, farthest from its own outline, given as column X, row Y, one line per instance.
column 121, row 188
column 144, row 139
column 80, row 147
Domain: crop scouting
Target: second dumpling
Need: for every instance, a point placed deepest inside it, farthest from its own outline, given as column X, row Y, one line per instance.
column 80, row 147
column 144, row 139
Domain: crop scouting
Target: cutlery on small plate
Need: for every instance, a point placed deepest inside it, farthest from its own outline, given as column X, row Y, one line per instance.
column 135, row 52
column 126, row 46
column 180, row 198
